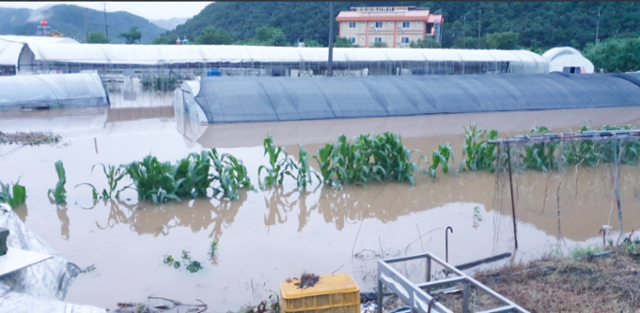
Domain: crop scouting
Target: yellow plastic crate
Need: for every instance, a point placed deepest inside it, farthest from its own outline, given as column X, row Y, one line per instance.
column 337, row 293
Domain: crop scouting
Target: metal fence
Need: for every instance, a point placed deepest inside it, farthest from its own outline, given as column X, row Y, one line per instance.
column 419, row 297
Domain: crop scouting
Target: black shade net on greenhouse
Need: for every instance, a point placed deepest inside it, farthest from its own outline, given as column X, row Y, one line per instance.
column 264, row 99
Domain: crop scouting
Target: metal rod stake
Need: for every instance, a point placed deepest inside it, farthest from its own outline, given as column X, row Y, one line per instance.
column 513, row 205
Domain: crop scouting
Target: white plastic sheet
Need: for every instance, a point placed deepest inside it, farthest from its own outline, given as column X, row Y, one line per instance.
column 51, row 91
column 40, row 287
column 525, row 61
column 558, row 58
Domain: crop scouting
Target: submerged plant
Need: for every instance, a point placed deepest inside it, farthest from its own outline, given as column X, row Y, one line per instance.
column 363, row 159
column 194, row 266
column 540, row 155
column 480, row 154
column 14, row 195
column 153, row 180
column 59, row 193
column 275, row 174
column 113, row 174
column 213, row 247
column 231, row 174
column 303, row 172
column 441, row 157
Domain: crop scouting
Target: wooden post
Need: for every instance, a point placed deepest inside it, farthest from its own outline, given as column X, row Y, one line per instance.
column 513, row 206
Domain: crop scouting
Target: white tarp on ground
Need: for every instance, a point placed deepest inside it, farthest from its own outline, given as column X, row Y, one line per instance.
column 558, row 58
column 51, row 91
column 41, row 287
column 11, row 46
column 526, row 61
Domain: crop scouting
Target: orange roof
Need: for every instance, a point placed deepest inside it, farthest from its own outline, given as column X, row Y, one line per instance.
column 435, row 19
column 411, row 15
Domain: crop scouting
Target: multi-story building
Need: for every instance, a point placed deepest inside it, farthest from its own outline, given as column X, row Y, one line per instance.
column 396, row 27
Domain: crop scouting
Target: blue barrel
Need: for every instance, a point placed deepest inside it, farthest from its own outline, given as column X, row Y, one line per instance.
column 213, row 72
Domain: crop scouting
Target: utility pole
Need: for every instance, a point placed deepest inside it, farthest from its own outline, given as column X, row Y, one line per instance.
column 330, row 63
column 106, row 27
column 464, row 31
column 598, row 27
column 86, row 21
column 479, row 23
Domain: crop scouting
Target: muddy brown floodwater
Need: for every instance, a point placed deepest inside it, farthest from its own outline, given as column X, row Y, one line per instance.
column 268, row 236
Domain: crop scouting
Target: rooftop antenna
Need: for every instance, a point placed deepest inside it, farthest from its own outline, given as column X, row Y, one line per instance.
column 106, row 27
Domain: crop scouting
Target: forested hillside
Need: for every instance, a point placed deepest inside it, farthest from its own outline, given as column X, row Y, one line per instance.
column 536, row 25
column 70, row 20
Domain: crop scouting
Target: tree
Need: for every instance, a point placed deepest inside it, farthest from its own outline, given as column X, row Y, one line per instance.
column 215, row 36
column 279, row 39
column 97, row 37
column 163, row 40
column 615, row 55
column 380, row 45
column 132, row 35
column 342, row 42
column 311, row 43
column 503, row 41
column 465, row 43
column 427, row 43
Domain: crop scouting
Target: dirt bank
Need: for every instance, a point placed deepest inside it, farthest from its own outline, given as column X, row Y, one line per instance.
column 573, row 284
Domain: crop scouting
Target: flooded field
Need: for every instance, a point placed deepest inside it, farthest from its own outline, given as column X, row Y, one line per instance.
column 277, row 233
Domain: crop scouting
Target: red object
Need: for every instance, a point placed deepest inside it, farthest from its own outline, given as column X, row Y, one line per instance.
column 44, row 23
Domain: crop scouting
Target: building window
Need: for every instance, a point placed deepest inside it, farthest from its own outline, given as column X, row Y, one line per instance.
column 362, row 23
column 352, row 24
column 353, row 39
column 406, row 24
column 378, row 24
column 430, row 28
column 378, row 39
column 405, row 39
column 361, row 38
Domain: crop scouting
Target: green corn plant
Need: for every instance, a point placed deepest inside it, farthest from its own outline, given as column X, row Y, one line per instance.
column 393, row 160
column 193, row 174
column 303, row 172
column 275, row 174
column 14, row 195
column 480, row 154
column 153, row 180
column 441, row 157
column 59, row 193
column 114, row 174
column 540, row 156
column 324, row 158
column 231, row 174
column 363, row 159
column 213, row 247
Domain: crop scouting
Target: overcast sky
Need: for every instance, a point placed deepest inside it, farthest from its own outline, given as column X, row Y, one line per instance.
column 149, row 10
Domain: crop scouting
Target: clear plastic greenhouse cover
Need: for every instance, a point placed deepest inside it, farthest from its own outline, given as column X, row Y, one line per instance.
column 558, row 58
column 11, row 46
column 51, row 91
column 526, row 61
column 261, row 99
column 41, row 287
